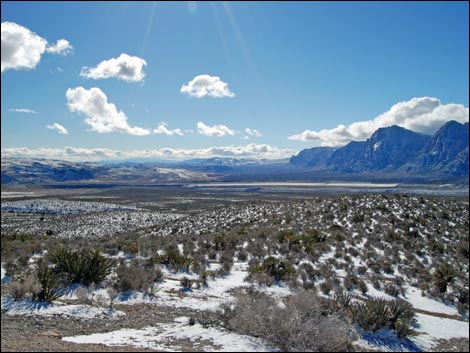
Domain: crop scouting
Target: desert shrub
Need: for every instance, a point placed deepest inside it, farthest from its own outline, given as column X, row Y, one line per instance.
column 350, row 282
column 376, row 313
column 361, row 270
column 242, row 255
column 309, row 270
column 303, row 325
column 444, row 275
column 342, row 301
column 401, row 317
column 358, row 218
column 371, row 315
column 177, row 262
column 135, row 277
column 279, row 270
column 85, row 266
column 261, row 278
column 327, row 286
column 22, row 288
column 309, row 286
column 462, row 249
column 392, row 289
column 387, row 267
column 362, row 285
column 186, row 283
column 49, row 282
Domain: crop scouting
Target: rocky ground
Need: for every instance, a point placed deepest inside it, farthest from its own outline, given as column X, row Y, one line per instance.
column 41, row 334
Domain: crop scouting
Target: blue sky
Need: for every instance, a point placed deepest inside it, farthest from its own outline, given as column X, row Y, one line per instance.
column 299, row 73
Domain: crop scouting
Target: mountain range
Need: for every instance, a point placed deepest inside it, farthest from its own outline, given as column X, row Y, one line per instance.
column 390, row 153
column 395, row 149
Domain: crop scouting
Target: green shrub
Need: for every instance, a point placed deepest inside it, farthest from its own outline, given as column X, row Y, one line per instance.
column 84, row 267
column 50, row 285
column 343, row 301
column 376, row 313
column 443, row 276
column 277, row 269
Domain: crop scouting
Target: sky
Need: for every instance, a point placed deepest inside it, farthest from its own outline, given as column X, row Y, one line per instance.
column 177, row 80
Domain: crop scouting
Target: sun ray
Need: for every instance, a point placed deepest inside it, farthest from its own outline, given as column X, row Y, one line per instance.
column 149, row 27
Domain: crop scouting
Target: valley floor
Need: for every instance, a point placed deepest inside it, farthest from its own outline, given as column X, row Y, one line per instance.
column 240, row 248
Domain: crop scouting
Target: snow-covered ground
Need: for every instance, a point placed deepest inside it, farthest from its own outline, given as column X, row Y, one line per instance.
column 162, row 337
column 28, row 308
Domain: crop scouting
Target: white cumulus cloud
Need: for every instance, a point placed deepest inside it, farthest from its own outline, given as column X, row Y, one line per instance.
column 162, row 129
column 101, row 116
column 424, row 114
column 59, row 128
column 62, row 47
column 206, row 85
column 125, row 67
column 22, row 48
column 216, row 130
column 254, row 151
column 23, row 110
column 252, row 132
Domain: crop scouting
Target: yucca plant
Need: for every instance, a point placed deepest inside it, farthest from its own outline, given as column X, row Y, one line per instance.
column 343, row 301
column 377, row 313
column 85, row 267
column 97, row 267
column 50, row 285
column 371, row 315
column 443, row 276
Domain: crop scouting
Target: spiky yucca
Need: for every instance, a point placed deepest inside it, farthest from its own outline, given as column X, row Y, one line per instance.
column 444, row 276
column 50, row 285
column 377, row 313
column 85, row 267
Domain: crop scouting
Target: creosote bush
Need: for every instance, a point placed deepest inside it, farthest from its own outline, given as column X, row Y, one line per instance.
column 304, row 324
column 136, row 277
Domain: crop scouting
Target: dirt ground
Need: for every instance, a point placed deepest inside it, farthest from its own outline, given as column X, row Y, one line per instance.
column 37, row 334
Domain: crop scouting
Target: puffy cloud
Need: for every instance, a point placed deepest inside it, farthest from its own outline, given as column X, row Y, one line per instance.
column 206, row 85
column 22, row 48
column 425, row 115
column 59, row 128
column 216, row 130
column 162, row 129
column 125, row 67
column 62, row 47
column 102, row 117
column 23, row 110
column 252, row 132
column 254, row 151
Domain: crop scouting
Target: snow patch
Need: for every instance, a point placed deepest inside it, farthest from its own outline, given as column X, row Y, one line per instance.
column 161, row 337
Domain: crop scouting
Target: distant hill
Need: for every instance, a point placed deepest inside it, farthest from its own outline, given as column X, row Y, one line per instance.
column 391, row 153
column 315, row 157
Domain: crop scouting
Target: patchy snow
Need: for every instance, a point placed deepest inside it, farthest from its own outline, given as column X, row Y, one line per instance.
column 162, row 336
column 414, row 297
column 170, row 292
column 29, row 308
column 435, row 328
column 430, row 329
